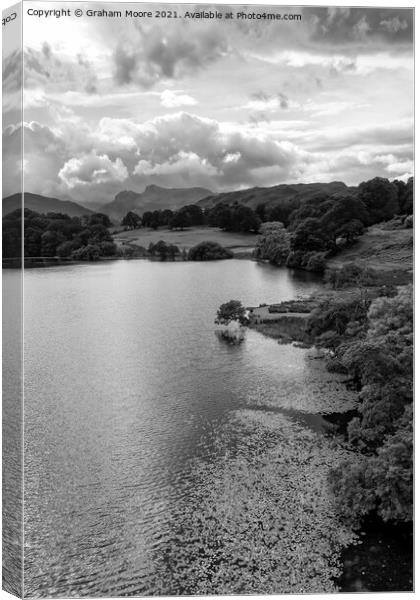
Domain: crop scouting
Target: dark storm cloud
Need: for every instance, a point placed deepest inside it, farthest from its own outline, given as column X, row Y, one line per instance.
column 338, row 25
column 161, row 54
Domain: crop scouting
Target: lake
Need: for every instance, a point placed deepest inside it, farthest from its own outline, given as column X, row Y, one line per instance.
column 136, row 415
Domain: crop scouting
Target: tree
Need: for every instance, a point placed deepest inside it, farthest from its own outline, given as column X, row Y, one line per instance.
column 282, row 210
column 209, row 251
column 381, row 360
column 155, row 220
column 99, row 233
column 311, row 235
column 99, row 219
column 161, row 249
column 343, row 210
column 231, row 311
column 180, row 220
column 65, row 249
column 316, row 262
column 173, row 251
column 90, row 252
column 131, row 220
column 406, row 200
column 244, row 219
column 261, row 212
column 350, row 230
column 147, row 218
column 49, row 242
column 380, row 197
column 273, row 244
column 166, row 217
column 32, row 238
column 107, row 248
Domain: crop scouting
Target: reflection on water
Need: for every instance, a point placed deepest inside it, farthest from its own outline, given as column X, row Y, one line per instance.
column 127, row 387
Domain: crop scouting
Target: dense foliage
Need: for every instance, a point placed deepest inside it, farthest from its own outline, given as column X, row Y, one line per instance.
column 163, row 250
column 58, row 235
column 273, row 244
column 349, row 275
column 131, row 220
column 209, row 251
column 233, row 218
column 231, row 311
column 372, row 340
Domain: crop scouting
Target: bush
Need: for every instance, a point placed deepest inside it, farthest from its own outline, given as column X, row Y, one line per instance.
column 66, row 248
column 350, row 275
column 273, row 244
column 294, row 259
column 315, row 262
column 107, row 249
column 209, row 251
column 90, row 252
column 336, row 318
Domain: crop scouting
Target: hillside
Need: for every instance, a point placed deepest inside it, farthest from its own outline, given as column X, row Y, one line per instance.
column 272, row 196
column 381, row 249
column 154, row 197
column 43, row 204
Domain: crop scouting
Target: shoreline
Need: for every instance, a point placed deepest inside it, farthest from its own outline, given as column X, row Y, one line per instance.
column 53, row 261
column 381, row 559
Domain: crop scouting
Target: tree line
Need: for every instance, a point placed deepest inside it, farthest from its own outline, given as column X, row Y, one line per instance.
column 206, row 250
column 56, row 234
column 323, row 225
column 229, row 218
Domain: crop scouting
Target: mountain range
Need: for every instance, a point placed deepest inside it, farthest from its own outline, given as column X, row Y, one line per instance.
column 43, row 204
column 154, row 197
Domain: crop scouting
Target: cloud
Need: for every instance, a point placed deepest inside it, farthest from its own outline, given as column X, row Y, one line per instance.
column 344, row 25
column 176, row 98
column 180, row 149
column 362, row 64
column 156, row 53
column 261, row 102
column 186, row 167
column 44, row 69
column 92, row 169
column 12, row 72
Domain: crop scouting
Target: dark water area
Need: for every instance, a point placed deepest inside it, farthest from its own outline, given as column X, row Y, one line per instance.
column 382, row 561
column 152, row 447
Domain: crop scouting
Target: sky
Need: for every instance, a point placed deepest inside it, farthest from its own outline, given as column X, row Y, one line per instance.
column 115, row 104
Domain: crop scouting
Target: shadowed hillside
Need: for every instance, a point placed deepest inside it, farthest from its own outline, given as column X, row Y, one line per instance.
column 44, row 205
column 293, row 194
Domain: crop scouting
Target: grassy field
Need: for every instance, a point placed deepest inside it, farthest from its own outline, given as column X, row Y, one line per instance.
column 239, row 243
column 380, row 249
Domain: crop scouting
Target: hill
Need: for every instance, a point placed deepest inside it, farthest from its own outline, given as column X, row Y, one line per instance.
column 382, row 249
column 154, row 197
column 276, row 195
column 43, row 204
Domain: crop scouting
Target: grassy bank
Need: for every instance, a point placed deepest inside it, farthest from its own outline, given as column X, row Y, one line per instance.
column 238, row 243
column 389, row 252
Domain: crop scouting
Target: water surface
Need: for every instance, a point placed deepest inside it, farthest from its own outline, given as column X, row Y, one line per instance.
column 127, row 391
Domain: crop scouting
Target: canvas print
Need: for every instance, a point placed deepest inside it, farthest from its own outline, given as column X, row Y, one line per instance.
column 207, row 299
